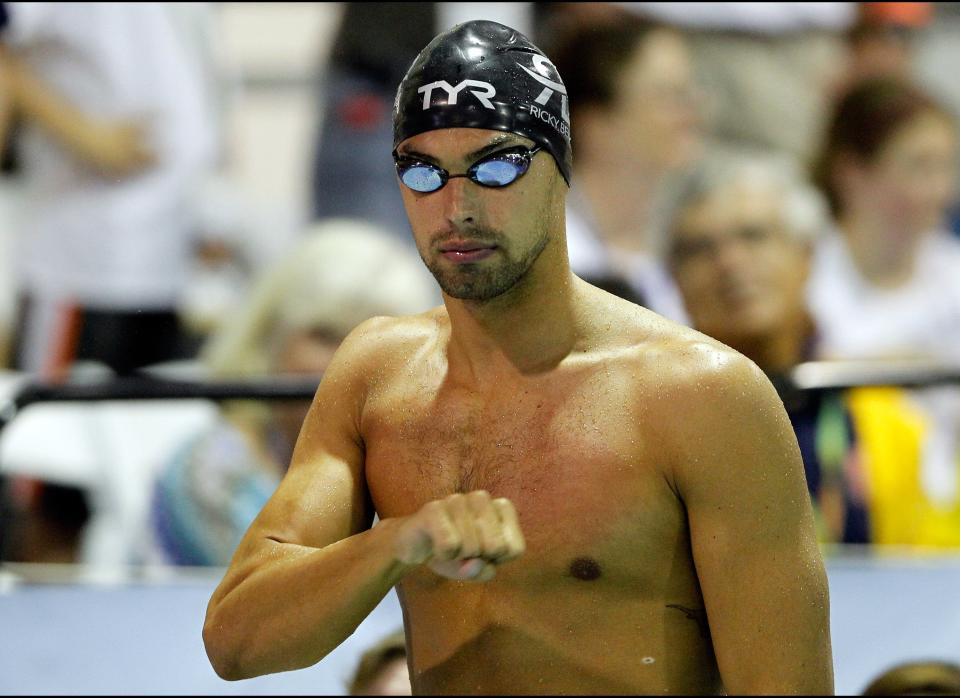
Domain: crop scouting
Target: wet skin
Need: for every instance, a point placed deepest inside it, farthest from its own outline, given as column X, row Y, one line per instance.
column 655, row 475
column 589, row 607
column 649, row 453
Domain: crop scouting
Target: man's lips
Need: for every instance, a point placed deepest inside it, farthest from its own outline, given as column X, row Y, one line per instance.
column 465, row 256
column 465, row 246
column 464, row 251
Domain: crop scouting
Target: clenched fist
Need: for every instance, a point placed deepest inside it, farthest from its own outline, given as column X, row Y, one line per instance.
column 463, row 536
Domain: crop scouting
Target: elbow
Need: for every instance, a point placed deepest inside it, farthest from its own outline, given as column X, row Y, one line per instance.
column 223, row 654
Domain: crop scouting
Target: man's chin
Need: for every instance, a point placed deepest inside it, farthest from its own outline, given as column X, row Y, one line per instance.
column 474, row 294
column 482, row 289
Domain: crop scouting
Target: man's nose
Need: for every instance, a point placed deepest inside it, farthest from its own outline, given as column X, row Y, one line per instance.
column 460, row 198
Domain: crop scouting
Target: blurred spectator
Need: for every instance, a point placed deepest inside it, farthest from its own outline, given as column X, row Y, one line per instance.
column 6, row 300
column 877, row 460
column 375, row 44
column 887, row 280
column 768, row 70
column 936, row 50
column 382, row 670
column 114, row 130
column 917, row 679
column 342, row 273
column 49, row 530
column 909, row 41
column 739, row 249
column 634, row 124
column 353, row 174
column 117, row 131
column 881, row 41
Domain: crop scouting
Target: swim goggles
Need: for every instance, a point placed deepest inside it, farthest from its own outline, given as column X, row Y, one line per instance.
column 496, row 170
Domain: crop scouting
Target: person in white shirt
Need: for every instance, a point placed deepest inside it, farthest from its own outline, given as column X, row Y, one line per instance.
column 117, row 133
column 768, row 69
column 886, row 283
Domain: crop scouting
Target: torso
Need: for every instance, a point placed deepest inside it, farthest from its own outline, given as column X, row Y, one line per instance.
column 605, row 598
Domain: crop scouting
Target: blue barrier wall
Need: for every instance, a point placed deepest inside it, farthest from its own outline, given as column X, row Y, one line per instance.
column 145, row 638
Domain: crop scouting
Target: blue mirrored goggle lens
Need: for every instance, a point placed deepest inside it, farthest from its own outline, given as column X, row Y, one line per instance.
column 498, row 173
column 422, row 178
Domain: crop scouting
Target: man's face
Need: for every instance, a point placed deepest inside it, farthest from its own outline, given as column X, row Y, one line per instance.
column 479, row 242
column 740, row 272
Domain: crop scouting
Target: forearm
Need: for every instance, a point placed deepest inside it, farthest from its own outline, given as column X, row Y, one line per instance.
column 49, row 111
column 299, row 603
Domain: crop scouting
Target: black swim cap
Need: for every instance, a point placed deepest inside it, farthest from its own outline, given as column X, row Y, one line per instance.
column 483, row 74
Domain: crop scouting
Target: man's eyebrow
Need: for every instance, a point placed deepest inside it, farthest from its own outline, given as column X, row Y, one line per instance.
column 407, row 153
column 499, row 141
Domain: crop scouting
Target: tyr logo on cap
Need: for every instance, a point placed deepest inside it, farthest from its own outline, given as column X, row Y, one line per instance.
column 452, row 92
column 543, row 66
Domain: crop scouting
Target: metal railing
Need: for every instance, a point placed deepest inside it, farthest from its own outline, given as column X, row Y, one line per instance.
column 150, row 388
column 810, row 376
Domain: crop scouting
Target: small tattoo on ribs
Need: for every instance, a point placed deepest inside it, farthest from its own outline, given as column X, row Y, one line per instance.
column 696, row 614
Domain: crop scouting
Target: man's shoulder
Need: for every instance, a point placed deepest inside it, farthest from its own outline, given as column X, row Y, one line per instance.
column 676, row 362
column 689, row 355
column 648, row 337
column 388, row 340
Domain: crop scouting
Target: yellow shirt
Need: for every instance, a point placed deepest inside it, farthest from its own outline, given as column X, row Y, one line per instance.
column 891, row 430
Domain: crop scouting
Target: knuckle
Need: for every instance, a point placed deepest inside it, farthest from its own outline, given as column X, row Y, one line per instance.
column 454, row 503
column 503, row 503
column 447, row 547
column 479, row 499
column 500, row 549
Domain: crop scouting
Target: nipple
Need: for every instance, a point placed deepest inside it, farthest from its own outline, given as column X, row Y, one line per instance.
column 585, row 569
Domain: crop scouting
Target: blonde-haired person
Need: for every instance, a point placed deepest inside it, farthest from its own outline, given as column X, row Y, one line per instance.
column 341, row 273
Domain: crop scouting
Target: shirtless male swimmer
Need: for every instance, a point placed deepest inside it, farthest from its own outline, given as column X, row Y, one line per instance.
column 575, row 495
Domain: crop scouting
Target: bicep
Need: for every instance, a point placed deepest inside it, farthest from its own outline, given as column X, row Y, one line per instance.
column 322, row 498
column 753, row 540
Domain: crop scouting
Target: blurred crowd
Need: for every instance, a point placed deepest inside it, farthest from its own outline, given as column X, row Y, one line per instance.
column 779, row 176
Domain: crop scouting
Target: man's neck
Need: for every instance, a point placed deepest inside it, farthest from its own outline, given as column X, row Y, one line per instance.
column 527, row 330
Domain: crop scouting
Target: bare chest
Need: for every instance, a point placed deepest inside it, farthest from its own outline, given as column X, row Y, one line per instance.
column 573, row 457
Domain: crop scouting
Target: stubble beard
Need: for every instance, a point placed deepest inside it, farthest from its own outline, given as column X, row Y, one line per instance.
column 488, row 279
